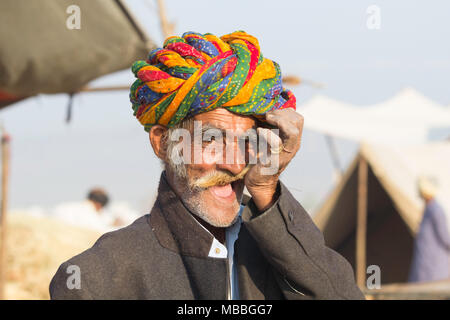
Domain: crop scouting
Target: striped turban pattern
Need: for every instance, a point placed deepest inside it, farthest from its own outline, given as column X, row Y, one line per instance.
column 198, row 73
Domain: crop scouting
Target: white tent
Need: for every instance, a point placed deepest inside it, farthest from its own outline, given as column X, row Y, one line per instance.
column 401, row 167
column 394, row 209
column 407, row 118
column 373, row 214
column 398, row 169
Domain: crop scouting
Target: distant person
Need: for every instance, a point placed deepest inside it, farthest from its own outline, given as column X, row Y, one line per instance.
column 90, row 213
column 99, row 198
column 430, row 260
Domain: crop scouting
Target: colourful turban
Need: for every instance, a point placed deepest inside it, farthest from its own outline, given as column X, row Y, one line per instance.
column 198, row 73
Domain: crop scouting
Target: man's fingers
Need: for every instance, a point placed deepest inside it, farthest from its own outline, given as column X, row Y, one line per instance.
column 290, row 124
column 285, row 119
column 273, row 141
column 270, row 144
column 269, row 152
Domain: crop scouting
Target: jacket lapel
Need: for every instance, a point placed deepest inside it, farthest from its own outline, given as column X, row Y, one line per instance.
column 178, row 231
column 175, row 227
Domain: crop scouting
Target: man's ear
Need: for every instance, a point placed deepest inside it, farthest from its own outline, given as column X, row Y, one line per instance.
column 158, row 140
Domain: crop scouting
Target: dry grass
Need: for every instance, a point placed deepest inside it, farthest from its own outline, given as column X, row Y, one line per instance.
column 36, row 248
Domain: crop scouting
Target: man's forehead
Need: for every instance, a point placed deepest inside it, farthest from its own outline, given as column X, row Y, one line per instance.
column 223, row 119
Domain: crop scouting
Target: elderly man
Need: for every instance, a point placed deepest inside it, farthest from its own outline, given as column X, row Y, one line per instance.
column 198, row 98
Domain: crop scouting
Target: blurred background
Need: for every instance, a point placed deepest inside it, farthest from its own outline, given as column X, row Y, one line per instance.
column 371, row 79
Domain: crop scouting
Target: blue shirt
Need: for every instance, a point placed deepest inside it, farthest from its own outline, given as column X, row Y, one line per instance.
column 218, row 250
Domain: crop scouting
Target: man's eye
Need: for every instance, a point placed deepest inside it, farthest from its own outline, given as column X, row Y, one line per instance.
column 208, row 141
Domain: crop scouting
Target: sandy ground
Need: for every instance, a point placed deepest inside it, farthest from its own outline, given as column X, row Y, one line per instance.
column 36, row 248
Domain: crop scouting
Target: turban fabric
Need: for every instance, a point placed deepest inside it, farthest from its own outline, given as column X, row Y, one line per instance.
column 197, row 73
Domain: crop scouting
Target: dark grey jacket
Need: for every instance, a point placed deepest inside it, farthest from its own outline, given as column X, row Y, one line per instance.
column 279, row 254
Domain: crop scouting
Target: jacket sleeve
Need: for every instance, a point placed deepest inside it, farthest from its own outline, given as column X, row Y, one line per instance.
column 87, row 276
column 64, row 285
column 304, row 267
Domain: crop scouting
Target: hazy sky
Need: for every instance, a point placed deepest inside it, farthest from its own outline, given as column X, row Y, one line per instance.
column 325, row 41
column 328, row 41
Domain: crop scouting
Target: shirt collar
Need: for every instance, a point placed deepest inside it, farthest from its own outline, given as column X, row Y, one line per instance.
column 217, row 249
column 177, row 230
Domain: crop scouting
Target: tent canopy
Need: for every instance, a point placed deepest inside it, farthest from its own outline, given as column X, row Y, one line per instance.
column 393, row 204
column 407, row 118
column 40, row 54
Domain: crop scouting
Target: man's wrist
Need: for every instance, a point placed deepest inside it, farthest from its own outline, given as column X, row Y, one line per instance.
column 264, row 196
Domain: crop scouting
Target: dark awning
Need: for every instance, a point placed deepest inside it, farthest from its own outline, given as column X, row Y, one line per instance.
column 39, row 54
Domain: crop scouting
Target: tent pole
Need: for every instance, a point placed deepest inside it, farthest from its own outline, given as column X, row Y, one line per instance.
column 134, row 22
column 3, row 209
column 99, row 89
column 166, row 26
column 334, row 156
column 361, row 223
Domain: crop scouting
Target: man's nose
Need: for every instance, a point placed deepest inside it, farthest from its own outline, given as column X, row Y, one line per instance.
column 233, row 159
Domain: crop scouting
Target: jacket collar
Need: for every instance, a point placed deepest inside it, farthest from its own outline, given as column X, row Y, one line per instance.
column 175, row 227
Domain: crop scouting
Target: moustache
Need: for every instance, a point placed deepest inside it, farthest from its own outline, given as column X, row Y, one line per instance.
column 219, row 178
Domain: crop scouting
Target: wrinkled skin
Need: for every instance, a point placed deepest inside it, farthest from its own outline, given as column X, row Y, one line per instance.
column 219, row 211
